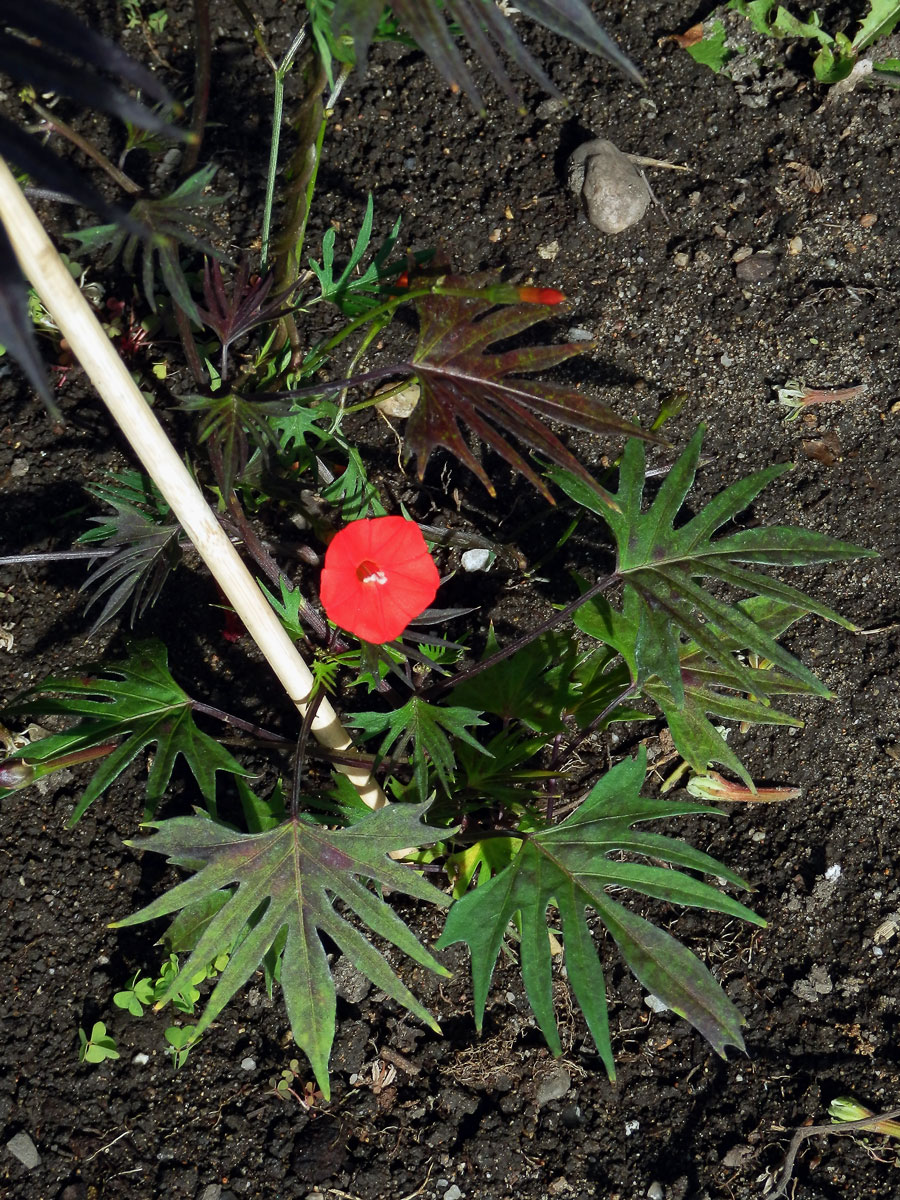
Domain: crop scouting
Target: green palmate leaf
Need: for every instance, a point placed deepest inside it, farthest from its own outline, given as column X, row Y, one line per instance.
column 461, row 381
column 533, row 686
column 145, row 539
column 426, row 727
column 352, row 292
column 234, row 425
column 483, row 25
column 169, row 223
column 660, row 565
column 569, row 866
column 137, row 703
column 287, row 881
column 507, row 771
column 705, row 683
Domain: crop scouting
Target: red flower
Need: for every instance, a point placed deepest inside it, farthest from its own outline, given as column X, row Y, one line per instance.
column 378, row 575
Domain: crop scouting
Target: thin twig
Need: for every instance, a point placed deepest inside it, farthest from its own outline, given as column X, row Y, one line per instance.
column 115, row 173
column 842, row 1129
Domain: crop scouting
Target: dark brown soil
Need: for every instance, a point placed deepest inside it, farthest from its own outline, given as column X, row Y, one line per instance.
column 468, row 1116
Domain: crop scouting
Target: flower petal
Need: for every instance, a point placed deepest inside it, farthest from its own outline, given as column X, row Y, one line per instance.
column 378, row 604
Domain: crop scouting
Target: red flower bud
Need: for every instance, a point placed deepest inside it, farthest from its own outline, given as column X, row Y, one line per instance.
column 536, row 295
column 378, row 575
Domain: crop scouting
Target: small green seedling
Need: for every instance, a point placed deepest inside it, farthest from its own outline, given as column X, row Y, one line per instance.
column 98, row 1046
column 137, row 996
column 282, row 1085
column 181, row 1039
column 845, row 1109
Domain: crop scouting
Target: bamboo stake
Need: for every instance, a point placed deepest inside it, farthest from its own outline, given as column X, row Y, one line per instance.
column 58, row 291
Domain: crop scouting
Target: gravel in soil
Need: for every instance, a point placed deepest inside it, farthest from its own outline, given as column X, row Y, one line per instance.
column 802, row 187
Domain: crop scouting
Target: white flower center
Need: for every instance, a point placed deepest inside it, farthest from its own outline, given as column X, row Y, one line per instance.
column 377, row 576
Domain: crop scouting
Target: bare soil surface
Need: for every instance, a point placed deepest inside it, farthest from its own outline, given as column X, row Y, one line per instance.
column 812, row 182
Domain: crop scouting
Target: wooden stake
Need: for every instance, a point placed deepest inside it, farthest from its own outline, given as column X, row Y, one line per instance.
column 58, row 291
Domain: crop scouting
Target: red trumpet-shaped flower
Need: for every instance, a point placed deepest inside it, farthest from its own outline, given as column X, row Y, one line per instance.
column 378, row 575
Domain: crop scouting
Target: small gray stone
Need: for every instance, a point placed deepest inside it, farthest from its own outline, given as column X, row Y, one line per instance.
column 756, row 268
column 349, row 983
column 248, row 1064
column 452, row 1193
column 23, row 1148
column 656, row 1191
column 476, row 560
column 614, row 193
column 553, row 1086
column 212, row 1191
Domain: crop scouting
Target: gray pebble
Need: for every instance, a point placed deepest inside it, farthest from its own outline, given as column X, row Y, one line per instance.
column 23, row 1148
column 756, row 268
column 452, row 1193
column 553, row 1086
column 613, row 191
column 349, row 983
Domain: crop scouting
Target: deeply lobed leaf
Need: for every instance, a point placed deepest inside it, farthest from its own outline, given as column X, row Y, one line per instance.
column 139, row 702
column 660, row 565
column 461, row 381
column 285, row 883
column 569, row 866
column 483, row 25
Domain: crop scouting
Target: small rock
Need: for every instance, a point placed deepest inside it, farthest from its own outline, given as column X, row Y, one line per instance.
column 738, row 1156
column 549, row 108
column 548, row 250
column 655, row 1004
column 400, row 403
column 212, row 1191
column 349, row 983
column 631, row 1128
column 476, row 560
column 19, row 468
column 576, row 334
column 248, row 1064
column 756, row 268
column 553, row 1086
column 656, row 1191
column 558, row 1186
column 23, row 1148
column 682, row 260
column 613, row 191
column 452, row 1193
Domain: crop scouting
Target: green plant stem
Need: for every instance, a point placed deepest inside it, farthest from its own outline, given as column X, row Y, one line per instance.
column 59, row 292
column 446, row 685
column 281, row 71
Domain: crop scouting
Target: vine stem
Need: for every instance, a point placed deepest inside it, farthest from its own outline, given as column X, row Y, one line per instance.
column 57, row 289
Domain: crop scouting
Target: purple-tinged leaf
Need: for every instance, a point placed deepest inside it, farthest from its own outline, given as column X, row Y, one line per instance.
column 287, row 881
column 461, row 381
